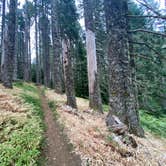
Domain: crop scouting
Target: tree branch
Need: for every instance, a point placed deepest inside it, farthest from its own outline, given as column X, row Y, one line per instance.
column 148, row 31
column 144, row 57
column 145, row 16
column 144, row 3
column 147, row 45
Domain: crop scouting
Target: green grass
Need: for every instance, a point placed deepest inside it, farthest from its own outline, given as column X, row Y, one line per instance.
column 156, row 125
column 25, row 86
column 106, row 108
column 152, row 123
column 52, row 106
column 22, row 145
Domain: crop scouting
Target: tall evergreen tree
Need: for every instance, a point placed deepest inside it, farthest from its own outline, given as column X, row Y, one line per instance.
column 69, row 33
column 122, row 100
column 56, row 47
column 28, row 14
column 45, row 36
column 94, row 88
column 3, row 39
column 10, row 45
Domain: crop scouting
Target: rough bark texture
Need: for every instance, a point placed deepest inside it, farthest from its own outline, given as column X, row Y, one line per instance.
column 15, row 56
column 46, row 49
column 56, row 48
column 69, row 80
column 20, row 58
column 36, row 45
column 29, row 53
column 94, row 89
column 26, row 49
column 122, row 99
column 40, row 55
column 3, row 40
column 10, row 45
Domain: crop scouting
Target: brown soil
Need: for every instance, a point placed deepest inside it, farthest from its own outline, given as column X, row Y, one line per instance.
column 57, row 150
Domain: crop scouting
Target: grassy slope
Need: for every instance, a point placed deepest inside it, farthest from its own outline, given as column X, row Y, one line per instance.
column 155, row 125
column 22, row 143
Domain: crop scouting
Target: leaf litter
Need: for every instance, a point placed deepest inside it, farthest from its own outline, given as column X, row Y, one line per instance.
column 93, row 141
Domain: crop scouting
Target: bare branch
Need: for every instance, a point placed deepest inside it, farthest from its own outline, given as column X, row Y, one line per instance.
column 148, row 6
column 148, row 46
column 145, row 16
column 148, row 31
column 144, row 57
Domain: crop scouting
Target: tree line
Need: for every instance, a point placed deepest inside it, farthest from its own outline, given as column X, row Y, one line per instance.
column 118, row 59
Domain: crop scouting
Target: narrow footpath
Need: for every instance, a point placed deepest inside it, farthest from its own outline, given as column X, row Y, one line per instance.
column 57, row 150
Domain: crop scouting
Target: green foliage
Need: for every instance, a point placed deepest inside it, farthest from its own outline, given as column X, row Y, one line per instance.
column 22, row 142
column 134, row 9
column 80, row 71
column 52, row 106
column 26, row 87
column 22, row 148
column 105, row 108
column 68, row 19
column 149, row 60
column 155, row 125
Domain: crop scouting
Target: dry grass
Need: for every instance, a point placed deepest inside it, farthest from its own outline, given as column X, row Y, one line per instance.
column 92, row 140
column 11, row 106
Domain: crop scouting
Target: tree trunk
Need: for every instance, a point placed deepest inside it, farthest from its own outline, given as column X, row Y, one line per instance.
column 56, row 49
column 29, row 52
column 69, row 80
column 3, row 32
column 26, row 49
column 94, row 89
column 122, row 99
column 36, row 45
column 20, row 58
column 46, row 51
column 10, row 45
column 16, row 53
column 40, row 58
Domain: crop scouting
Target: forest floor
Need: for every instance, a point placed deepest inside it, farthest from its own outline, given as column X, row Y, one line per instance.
column 93, row 141
column 21, row 125
column 57, row 150
column 73, row 137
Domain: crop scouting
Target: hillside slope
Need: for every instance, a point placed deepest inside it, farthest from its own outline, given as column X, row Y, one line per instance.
column 22, row 132
column 93, row 142
column 21, row 126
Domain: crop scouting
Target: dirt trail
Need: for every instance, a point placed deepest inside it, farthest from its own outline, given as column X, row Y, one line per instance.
column 57, row 151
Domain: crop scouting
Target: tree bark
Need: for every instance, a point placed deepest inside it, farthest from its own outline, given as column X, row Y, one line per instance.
column 56, row 48
column 68, row 73
column 122, row 99
column 26, row 49
column 36, row 44
column 10, row 45
column 29, row 51
column 3, row 32
column 45, row 49
column 94, row 89
column 15, row 55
